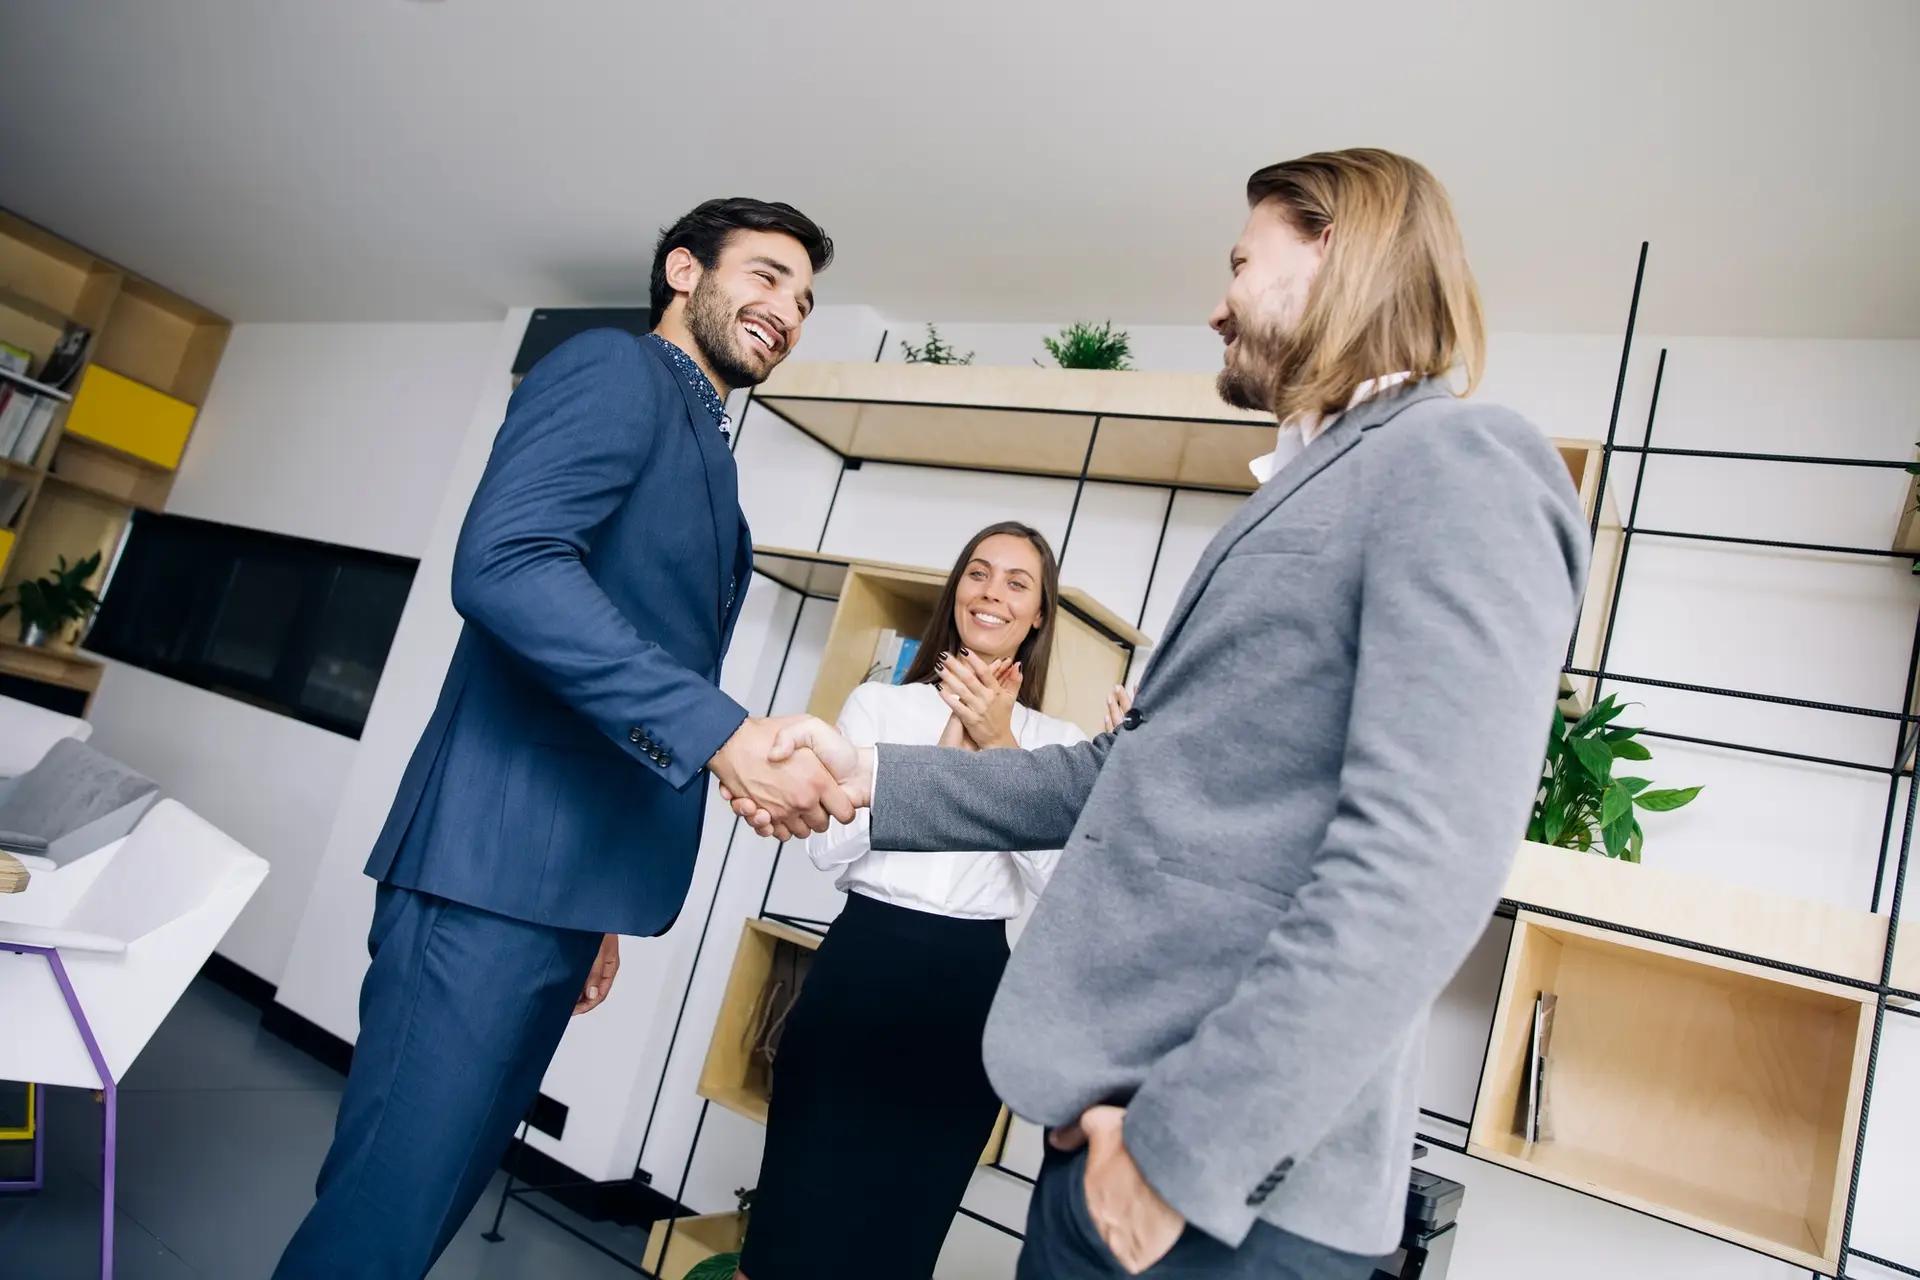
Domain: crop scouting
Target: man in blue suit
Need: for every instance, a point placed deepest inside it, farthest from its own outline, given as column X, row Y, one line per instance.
column 555, row 799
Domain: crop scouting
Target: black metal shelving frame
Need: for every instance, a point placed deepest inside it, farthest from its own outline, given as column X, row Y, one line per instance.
column 1893, row 856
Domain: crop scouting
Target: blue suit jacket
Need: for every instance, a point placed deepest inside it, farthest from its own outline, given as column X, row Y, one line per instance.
column 600, row 571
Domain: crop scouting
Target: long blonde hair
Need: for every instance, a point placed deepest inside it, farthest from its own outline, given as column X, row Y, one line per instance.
column 1394, row 291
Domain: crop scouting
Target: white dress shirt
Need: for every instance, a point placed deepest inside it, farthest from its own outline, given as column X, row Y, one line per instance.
column 1297, row 433
column 970, row 886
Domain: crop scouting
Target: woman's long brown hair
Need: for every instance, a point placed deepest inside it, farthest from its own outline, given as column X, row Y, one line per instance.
column 943, row 633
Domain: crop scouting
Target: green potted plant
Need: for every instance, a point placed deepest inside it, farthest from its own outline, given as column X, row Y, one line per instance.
column 1090, row 346
column 722, row 1266
column 48, row 605
column 1580, row 804
column 933, row 351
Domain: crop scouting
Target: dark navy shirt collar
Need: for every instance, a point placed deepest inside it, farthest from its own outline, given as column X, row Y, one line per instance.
column 702, row 386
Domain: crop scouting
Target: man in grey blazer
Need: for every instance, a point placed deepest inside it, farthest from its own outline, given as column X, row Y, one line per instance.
column 1278, row 862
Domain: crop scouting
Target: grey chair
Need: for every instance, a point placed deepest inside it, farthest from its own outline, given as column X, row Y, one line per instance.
column 73, row 802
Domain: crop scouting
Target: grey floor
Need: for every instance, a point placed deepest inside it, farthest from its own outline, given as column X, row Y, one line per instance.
column 222, row 1126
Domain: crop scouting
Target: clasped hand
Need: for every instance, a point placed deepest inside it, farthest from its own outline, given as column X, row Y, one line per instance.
column 787, row 777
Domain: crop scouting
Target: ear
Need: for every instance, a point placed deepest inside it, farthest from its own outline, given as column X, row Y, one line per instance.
column 683, row 270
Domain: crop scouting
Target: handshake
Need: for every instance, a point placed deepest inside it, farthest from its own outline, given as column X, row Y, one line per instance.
column 787, row 777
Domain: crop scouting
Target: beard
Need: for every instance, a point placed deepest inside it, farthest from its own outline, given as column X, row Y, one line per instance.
column 1247, row 380
column 710, row 319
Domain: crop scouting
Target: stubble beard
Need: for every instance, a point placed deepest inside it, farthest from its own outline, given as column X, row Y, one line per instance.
column 710, row 319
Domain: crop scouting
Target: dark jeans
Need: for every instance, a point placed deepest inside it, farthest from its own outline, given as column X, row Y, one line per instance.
column 1062, row 1243
column 460, row 1013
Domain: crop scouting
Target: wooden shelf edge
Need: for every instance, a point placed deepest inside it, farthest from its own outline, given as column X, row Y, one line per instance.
column 95, row 491
column 121, row 455
column 1706, row 1226
column 38, row 388
column 1775, row 926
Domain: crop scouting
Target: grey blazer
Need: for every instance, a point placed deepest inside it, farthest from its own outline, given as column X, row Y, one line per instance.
column 1270, row 877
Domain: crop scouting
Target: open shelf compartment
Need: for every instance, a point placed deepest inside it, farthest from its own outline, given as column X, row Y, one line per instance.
column 1716, row 1094
column 734, row 1075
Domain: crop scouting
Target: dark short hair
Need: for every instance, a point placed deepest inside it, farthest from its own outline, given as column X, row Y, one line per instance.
column 704, row 233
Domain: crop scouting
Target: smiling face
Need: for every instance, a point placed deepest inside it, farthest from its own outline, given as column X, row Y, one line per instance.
column 745, row 314
column 997, row 601
column 1273, row 273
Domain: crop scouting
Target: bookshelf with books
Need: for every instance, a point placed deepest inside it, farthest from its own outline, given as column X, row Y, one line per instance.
column 102, row 374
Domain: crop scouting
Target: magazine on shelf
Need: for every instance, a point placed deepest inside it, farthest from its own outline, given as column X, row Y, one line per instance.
column 1532, row 1121
column 15, row 359
column 886, row 652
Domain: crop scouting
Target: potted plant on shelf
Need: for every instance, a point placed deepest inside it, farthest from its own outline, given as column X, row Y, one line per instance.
column 933, row 351
column 1580, row 804
column 1090, row 346
column 48, row 605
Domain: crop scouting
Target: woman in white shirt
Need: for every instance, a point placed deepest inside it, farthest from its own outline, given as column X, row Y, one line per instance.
column 880, row 1106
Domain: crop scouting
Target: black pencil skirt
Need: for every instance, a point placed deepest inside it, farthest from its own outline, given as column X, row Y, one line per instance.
column 880, row 1105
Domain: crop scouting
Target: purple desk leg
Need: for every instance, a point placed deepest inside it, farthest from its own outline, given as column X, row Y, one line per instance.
column 110, row 1145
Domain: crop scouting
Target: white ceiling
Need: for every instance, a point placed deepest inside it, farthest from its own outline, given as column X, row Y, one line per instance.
column 978, row 159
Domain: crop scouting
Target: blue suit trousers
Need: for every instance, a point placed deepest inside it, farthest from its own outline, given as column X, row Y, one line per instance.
column 460, row 1013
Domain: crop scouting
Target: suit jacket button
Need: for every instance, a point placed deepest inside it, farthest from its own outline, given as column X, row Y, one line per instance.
column 666, row 758
column 1282, row 1169
column 1257, row 1199
column 635, row 736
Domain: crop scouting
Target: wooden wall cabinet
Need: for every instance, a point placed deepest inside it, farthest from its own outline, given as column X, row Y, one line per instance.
column 123, row 424
column 1717, row 1094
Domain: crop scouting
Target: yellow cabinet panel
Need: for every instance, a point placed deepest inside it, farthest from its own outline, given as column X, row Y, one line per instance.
column 131, row 417
column 6, row 546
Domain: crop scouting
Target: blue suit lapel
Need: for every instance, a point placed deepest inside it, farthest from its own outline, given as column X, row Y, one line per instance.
column 723, row 494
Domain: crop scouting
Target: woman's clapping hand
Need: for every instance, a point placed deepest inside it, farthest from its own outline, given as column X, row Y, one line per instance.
column 981, row 695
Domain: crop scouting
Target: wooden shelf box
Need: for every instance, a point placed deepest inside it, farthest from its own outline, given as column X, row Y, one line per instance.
column 1720, row 1095
column 1093, row 647
column 694, row 1241
column 732, row 1075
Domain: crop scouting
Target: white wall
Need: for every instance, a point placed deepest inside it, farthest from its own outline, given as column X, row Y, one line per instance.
column 320, row 431
column 1811, row 626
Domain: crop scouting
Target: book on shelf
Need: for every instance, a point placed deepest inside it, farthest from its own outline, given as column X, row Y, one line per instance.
column 15, row 359
column 34, row 431
column 13, row 497
column 16, row 404
column 893, row 653
column 909, row 650
column 67, row 356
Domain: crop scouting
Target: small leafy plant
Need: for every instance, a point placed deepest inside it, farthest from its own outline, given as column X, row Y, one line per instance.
column 1089, row 346
column 933, row 351
column 1580, row 803
column 58, row 598
column 721, row 1266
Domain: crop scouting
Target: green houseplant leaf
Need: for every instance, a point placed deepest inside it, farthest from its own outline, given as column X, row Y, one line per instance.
column 1579, row 804
column 1665, row 801
column 720, row 1266
column 1595, row 757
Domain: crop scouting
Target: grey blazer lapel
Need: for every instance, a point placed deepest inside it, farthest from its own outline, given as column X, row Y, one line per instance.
column 1318, row 456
